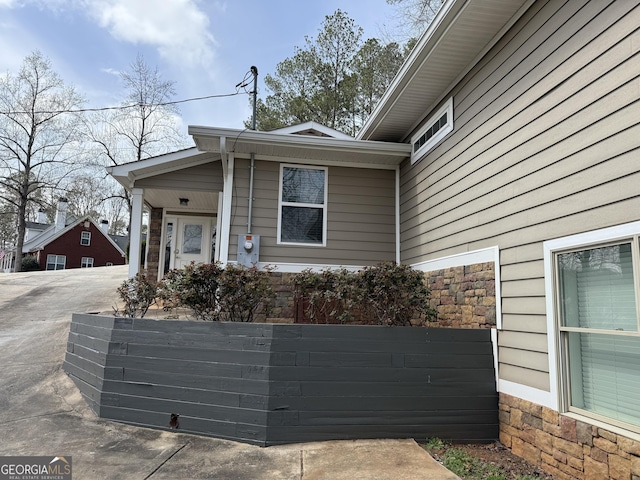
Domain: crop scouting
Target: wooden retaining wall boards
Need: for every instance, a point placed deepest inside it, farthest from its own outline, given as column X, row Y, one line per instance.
column 270, row 384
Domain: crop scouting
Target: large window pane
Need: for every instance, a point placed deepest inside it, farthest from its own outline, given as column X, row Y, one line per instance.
column 604, row 375
column 597, row 290
column 192, row 241
column 302, row 224
column 302, row 185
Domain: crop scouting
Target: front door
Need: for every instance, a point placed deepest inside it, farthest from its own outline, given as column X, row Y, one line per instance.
column 188, row 239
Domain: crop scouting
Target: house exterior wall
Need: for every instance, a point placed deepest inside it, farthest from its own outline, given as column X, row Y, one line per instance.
column 207, row 177
column 545, row 144
column 360, row 216
column 100, row 249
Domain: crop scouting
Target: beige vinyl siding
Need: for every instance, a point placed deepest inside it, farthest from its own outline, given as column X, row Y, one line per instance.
column 360, row 216
column 207, row 177
column 546, row 144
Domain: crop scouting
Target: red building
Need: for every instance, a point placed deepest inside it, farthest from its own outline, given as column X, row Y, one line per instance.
column 81, row 244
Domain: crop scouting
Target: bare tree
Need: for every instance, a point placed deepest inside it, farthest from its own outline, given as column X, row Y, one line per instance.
column 38, row 136
column 145, row 125
column 414, row 16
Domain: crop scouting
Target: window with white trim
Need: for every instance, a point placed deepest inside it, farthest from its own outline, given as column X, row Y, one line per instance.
column 597, row 299
column 302, row 209
column 434, row 130
column 56, row 262
column 87, row 262
column 85, row 239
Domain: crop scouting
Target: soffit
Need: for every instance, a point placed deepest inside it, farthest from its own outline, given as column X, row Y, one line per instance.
column 199, row 201
column 453, row 43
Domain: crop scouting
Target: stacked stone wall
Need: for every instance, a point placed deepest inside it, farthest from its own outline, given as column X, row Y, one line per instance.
column 464, row 297
column 154, row 235
column 567, row 448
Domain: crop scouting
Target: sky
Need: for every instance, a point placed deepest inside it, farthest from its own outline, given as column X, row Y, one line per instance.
column 205, row 46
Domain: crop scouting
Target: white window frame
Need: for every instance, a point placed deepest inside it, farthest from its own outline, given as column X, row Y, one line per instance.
column 558, row 370
column 86, row 262
column 56, row 262
column 439, row 135
column 309, row 205
column 85, row 236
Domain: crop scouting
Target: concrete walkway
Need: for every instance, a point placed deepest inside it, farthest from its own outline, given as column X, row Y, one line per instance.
column 44, row 414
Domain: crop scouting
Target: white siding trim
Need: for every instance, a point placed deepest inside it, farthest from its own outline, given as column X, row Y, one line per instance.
column 585, row 239
column 491, row 254
column 494, row 344
column 534, row 395
column 299, row 267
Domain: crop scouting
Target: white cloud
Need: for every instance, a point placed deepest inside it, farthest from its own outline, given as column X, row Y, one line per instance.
column 177, row 28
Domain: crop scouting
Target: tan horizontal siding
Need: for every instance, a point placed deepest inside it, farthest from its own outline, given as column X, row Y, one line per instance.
column 527, row 376
column 523, row 341
column 206, row 177
column 545, row 145
column 524, row 323
column 523, row 288
column 360, row 216
column 520, row 358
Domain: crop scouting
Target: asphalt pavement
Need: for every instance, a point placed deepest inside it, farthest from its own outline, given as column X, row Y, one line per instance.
column 42, row 412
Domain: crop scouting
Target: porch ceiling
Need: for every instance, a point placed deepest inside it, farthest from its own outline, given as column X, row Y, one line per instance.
column 170, row 199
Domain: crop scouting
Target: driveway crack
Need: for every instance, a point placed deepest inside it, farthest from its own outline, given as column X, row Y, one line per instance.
column 166, row 460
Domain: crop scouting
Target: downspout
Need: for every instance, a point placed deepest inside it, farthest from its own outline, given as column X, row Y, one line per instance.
column 254, row 70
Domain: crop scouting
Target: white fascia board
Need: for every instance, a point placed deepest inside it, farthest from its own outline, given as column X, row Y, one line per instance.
column 235, row 137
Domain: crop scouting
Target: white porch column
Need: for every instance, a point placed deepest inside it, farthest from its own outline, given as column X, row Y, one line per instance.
column 135, row 231
column 225, row 224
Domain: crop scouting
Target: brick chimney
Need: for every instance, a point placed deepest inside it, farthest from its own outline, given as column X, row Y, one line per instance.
column 61, row 214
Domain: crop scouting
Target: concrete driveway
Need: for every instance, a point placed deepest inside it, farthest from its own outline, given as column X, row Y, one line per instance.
column 44, row 414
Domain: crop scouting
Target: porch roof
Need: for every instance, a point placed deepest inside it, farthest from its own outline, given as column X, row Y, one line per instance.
column 300, row 148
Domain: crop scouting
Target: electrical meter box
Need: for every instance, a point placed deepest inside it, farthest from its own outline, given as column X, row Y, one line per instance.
column 248, row 250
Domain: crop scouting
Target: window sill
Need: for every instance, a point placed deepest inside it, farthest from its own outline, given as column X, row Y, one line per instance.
column 605, row 426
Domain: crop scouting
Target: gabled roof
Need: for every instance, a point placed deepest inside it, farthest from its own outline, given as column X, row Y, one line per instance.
column 49, row 235
column 312, row 129
column 460, row 35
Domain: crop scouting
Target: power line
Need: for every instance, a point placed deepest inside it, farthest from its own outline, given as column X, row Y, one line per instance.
column 124, row 107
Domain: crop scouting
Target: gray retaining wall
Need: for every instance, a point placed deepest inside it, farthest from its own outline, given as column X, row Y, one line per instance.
column 270, row 384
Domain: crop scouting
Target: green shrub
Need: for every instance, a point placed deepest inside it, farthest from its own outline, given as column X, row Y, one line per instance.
column 30, row 264
column 243, row 291
column 213, row 293
column 331, row 296
column 386, row 294
column 195, row 287
column 395, row 293
column 138, row 294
